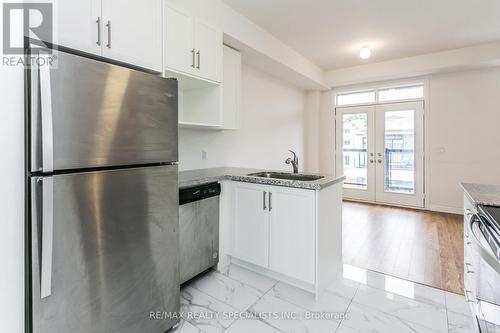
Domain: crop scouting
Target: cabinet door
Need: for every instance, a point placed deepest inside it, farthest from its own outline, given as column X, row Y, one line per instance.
column 292, row 232
column 132, row 32
column 250, row 224
column 208, row 44
column 231, row 86
column 77, row 25
column 179, row 51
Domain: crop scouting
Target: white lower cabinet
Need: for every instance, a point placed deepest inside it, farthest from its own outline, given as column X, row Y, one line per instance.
column 274, row 228
column 291, row 232
column 251, row 224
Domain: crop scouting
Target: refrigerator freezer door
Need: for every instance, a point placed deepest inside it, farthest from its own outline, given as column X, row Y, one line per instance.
column 115, row 249
column 86, row 113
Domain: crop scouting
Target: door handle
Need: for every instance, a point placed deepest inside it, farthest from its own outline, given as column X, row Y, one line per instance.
column 193, row 63
column 108, row 25
column 199, row 59
column 46, row 118
column 270, row 201
column 98, row 22
column 47, row 236
column 264, row 200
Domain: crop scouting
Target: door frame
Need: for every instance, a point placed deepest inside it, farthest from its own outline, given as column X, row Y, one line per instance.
column 377, row 85
column 337, row 167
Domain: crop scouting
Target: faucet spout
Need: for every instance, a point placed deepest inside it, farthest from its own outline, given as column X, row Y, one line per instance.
column 293, row 161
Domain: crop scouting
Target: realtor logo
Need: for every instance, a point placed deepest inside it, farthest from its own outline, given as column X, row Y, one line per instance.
column 33, row 20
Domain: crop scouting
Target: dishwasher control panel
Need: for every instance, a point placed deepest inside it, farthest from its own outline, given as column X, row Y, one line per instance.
column 199, row 192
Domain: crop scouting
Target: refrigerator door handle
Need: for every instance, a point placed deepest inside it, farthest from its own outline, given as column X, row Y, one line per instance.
column 47, row 236
column 46, row 117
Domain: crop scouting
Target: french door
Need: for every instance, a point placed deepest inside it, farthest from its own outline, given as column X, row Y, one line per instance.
column 380, row 151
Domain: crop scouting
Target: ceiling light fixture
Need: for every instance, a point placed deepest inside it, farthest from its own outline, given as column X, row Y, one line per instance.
column 365, row 52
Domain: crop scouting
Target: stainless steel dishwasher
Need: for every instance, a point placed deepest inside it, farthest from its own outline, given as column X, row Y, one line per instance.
column 198, row 229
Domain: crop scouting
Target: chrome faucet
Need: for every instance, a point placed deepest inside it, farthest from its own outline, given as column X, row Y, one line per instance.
column 294, row 162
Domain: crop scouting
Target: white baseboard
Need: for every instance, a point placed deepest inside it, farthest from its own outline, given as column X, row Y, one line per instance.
column 434, row 208
column 447, row 209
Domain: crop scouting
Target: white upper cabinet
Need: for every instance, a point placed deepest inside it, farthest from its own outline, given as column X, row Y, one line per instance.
column 125, row 30
column 231, row 88
column 191, row 46
column 208, row 44
column 180, row 54
column 77, row 25
column 132, row 32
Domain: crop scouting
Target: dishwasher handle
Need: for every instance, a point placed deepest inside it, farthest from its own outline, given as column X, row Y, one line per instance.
column 198, row 192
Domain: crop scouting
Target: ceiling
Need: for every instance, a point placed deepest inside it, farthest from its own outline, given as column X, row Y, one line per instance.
column 331, row 32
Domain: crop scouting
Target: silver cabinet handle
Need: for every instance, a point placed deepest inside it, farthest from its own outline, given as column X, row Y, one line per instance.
column 264, row 200
column 193, row 63
column 98, row 22
column 199, row 59
column 108, row 25
column 47, row 236
column 466, row 293
column 270, row 201
column 46, row 118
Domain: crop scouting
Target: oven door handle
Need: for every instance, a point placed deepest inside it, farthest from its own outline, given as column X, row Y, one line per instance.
column 480, row 249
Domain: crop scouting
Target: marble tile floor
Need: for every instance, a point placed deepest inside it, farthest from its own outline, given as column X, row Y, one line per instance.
column 360, row 301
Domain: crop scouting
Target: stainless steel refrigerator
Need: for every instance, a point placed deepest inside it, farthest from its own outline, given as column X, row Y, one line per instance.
column 103, row 189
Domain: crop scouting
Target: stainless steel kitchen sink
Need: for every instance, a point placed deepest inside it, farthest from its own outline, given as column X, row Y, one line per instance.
column 285, row 175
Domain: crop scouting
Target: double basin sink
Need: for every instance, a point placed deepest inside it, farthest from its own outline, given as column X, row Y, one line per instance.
column 285, row 175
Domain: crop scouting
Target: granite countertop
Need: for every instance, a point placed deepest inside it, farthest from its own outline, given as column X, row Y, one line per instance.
column 202, row 176
column 482, row 194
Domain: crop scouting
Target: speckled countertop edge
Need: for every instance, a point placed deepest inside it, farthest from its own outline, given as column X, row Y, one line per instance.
column 482, row 194
column 190, row 178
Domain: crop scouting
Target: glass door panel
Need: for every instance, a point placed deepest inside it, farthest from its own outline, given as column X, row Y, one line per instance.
column 355, row 157
column 399, row 171
column 354, row 150
column 399, row 154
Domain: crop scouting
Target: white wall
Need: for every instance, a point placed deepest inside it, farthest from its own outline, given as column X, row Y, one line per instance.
column 272, row 121
column 326, row 146
column 12, row 201
column 464, row 134
column 11, row 196
column 312, row 131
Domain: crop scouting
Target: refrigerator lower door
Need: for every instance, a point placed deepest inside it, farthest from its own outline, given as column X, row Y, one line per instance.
column 87, row 113
column 105, row 248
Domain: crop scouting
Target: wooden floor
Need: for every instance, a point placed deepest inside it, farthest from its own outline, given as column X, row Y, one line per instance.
column 421, row 246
